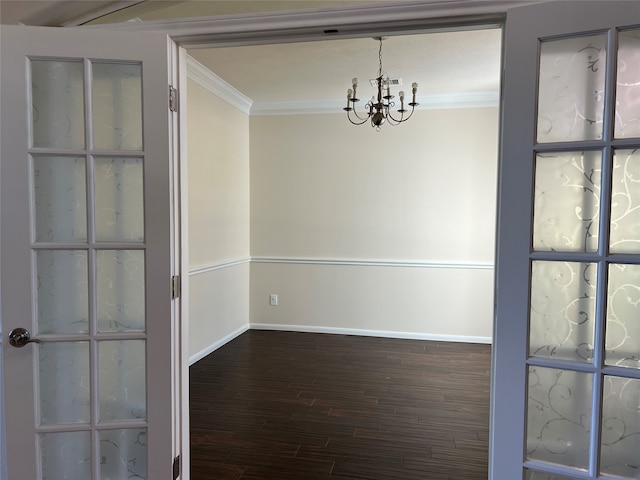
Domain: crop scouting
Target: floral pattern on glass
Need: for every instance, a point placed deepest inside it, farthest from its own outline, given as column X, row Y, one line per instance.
column 62, row 291
column 65, row 455
column 558, row 418
column 561, row 323
column 119, row 199
column 567, row 201
column 57, row 118
column 64, row 383
column 117, row 106
column 628, row 85
column 622, row 338
column 625, row 202
column 122, row 380
column 571, row 89
column 120, row 290
column 620, row 444
column 60, row 199
column 123, row 454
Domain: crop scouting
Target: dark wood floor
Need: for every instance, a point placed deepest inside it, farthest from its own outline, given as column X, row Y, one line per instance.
column 304, row 406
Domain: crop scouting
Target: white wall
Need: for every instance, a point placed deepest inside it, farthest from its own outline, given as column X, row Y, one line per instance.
column 407, row 302
column 357, row 231
column 218, row 219
column 376, row 232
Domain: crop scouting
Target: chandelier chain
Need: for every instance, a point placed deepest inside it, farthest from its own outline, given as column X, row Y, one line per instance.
column 380, row 59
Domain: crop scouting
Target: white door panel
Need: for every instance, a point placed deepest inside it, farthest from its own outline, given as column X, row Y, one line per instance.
column 86, row 255
column 566, row 392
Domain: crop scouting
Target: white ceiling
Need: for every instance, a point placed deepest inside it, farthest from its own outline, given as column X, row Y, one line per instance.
column 443, row 63
column 51, row 12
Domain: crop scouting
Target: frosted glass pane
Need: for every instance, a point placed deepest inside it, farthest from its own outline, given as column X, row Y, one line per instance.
column 123, row 454
column 571, row 89
column 567, row 197
column 122, row 380
column 60, row 198
column 558, row 416
column 62, row 297
column 120, row 292
column 620, row 447
column 64, row 382
column 533, row 475
column 65, row 456
column 628, row 85
column 119, row 199
column 623, row 316
column 57, row 96
column 562, row 310
column 117, row 106
column 625, row 202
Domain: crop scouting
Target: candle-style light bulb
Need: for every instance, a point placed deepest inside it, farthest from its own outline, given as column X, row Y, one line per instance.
column 401, row 94
column 349, row 95
column 354, row 81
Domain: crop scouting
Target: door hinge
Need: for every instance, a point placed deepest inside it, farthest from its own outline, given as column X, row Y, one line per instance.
column 175, row 287
column 176, row 467
column 173, row 99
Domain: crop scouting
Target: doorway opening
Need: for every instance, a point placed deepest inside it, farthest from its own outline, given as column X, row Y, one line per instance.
column 347, row 226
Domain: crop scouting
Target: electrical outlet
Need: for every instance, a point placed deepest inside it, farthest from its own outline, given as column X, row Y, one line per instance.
column 273, row 299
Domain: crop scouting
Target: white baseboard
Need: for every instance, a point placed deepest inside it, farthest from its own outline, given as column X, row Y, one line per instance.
column 339, row 331
column 214, row 346
column 373, row 333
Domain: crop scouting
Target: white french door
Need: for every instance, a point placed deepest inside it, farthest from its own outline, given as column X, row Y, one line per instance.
column 566, row 369
column 86, row 250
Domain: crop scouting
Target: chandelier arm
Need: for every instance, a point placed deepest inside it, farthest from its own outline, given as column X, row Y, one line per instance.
column 362, row 120
column 368, row 105
column 402, row 117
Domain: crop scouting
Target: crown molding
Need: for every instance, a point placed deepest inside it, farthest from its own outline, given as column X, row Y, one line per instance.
column 427, row 102
column 460, row 100
column 204, row 77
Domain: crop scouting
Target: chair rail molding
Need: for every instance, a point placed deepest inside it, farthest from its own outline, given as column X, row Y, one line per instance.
column 200, row 269
column 373, row 262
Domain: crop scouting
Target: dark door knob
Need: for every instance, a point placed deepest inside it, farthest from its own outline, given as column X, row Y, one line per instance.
column 19, row 337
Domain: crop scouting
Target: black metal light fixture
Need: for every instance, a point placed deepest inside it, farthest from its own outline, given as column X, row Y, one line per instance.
column 378, row 109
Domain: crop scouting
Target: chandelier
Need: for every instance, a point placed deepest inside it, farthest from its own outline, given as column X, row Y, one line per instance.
column 378, row 109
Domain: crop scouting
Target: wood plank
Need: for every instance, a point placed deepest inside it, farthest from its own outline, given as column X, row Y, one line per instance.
column 287, row 405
